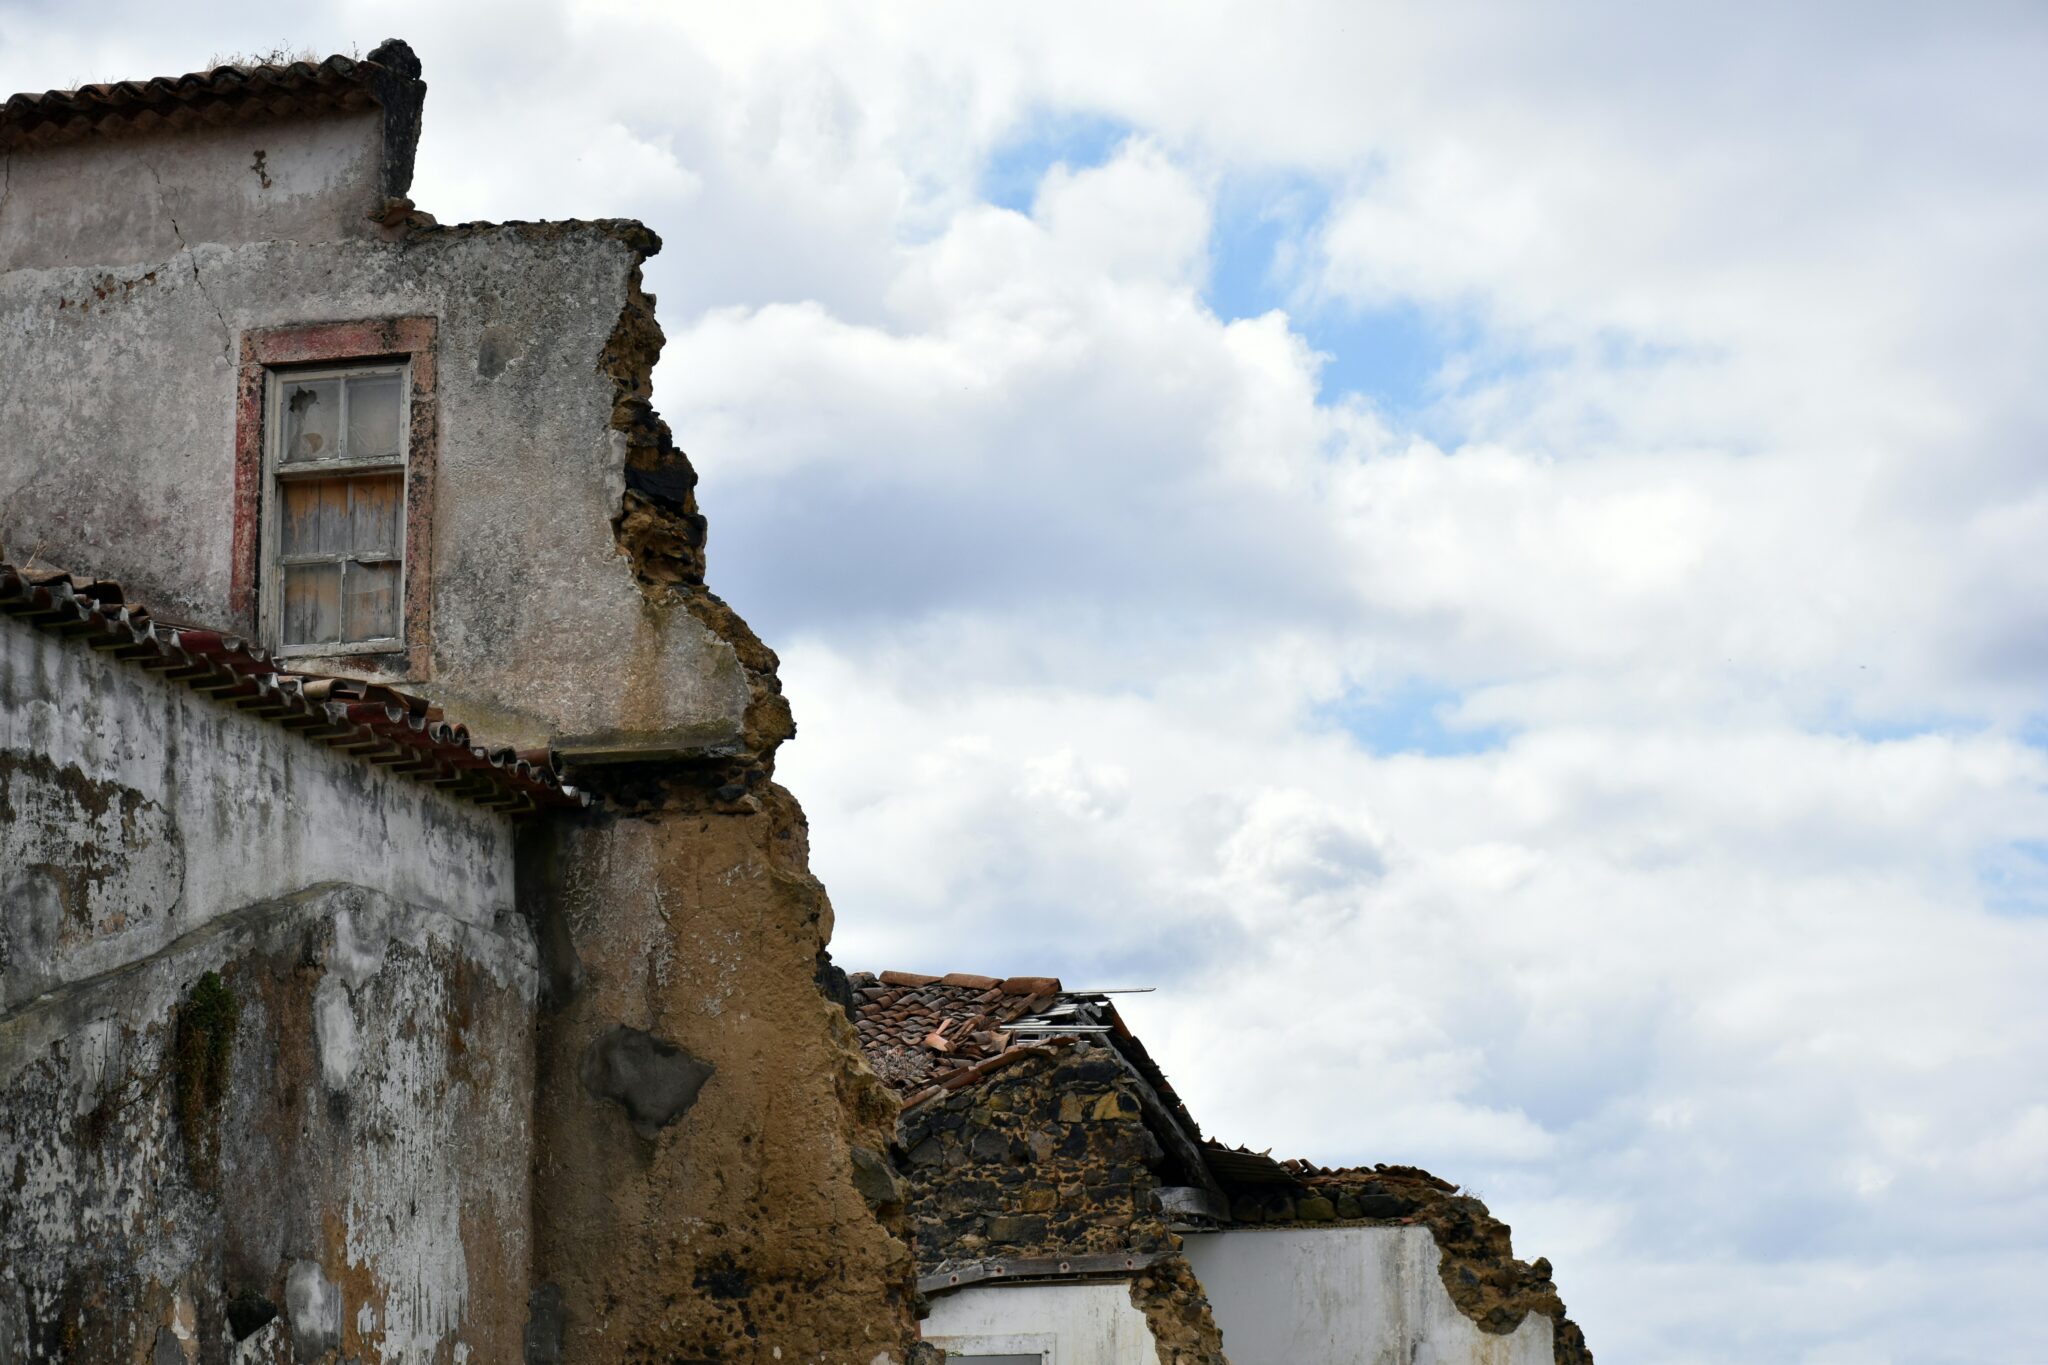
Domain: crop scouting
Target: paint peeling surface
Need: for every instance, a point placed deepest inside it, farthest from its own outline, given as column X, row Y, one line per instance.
column 265, row 1042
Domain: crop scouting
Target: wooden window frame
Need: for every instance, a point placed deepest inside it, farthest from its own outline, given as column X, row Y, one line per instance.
column 295, row 352
column 277, row 471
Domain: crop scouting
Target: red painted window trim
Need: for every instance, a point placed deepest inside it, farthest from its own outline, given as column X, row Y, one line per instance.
column 410, row 339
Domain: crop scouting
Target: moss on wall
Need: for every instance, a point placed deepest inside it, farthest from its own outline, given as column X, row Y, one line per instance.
column 200, row 1059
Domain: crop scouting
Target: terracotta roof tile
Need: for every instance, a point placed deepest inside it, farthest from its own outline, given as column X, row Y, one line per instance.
column 223, row 95
column 929, row 1032
column 378, row 725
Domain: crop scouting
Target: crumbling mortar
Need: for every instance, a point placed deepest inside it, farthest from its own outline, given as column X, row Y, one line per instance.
column 659, row 528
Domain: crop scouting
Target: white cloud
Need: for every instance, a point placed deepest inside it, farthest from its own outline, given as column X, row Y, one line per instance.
column 1718, row 973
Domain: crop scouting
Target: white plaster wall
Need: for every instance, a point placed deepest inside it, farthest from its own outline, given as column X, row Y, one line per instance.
column 1070, row 1324
column 138, row 811
column 1345, row 1296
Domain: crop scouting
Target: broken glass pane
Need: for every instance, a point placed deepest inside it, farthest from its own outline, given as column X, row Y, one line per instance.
column 370, row 605
column 374, row 505
column 373, row 425
column 312, row 419
column 316, row 517
column 312, row 604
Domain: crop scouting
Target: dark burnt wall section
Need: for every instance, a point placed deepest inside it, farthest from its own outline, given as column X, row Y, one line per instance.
column 1478, row 1267
column 1050, row 1159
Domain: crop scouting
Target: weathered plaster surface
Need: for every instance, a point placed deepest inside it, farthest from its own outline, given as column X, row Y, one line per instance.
column 140, row 199
column 133, row 811
column 117, row 420
column 710, row 1180
column 372, row 1134
column 1339, row 1295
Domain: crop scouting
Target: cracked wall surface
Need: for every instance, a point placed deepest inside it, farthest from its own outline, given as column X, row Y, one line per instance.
column 265, row 1032
column 117, row 428
column 709, row 1182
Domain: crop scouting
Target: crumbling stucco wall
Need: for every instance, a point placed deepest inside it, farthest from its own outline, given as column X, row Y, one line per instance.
column 712, row 1151
column 733, row 1212
column 265, row 1037
column 117, row 422
column 1337, row 1296
column 139, row 200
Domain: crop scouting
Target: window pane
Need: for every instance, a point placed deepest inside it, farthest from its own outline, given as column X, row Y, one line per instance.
column 312, row 420
column 316, row 519
column 373, row 423
column 312, row 604
column 374, row 505
column 370, row 605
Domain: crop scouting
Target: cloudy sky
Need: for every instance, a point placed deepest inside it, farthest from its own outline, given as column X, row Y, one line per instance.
column 1495, row 555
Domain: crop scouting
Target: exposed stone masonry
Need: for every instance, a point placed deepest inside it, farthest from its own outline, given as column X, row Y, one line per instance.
column 1051, row 1158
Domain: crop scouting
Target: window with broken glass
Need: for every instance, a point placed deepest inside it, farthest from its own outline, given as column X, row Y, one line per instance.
column 334, row 516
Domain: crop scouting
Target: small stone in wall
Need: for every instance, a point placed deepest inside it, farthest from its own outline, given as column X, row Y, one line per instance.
column 653, row 1079
column 875, row 1178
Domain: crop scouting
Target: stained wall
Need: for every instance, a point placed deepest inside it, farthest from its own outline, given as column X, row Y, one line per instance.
column 265, row 1037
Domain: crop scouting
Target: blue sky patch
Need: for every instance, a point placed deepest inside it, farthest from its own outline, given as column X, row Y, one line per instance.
column 1408, row 718
column 1262, row 253
column 1046, row 139
column 2014, row 878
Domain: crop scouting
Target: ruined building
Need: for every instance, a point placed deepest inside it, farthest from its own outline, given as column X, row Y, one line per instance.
column 1065, row 1207
column 406, row 954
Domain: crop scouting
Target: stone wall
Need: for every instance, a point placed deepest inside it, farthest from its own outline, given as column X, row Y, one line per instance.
column 1051, row 1157
column 265, row 1037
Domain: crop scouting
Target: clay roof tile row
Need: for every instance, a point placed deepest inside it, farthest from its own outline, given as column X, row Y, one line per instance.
column 221, row 95
column 377, row 724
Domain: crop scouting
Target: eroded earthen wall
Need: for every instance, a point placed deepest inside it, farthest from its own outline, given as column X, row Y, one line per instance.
column 265, row 1038
column 712, row 1181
